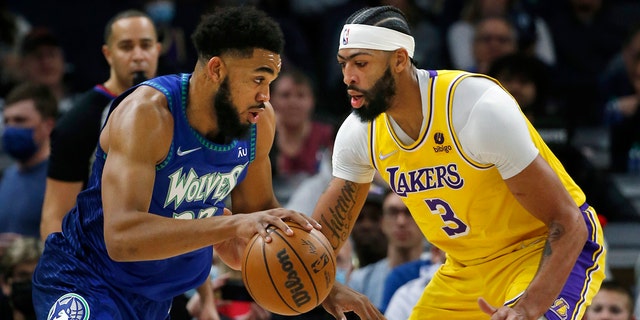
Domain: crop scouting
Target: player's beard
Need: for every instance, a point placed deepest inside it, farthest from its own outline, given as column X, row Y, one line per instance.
column 229, row 121
column 377, row 98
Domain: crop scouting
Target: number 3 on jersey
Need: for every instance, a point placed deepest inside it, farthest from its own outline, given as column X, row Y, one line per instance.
column 454, row 227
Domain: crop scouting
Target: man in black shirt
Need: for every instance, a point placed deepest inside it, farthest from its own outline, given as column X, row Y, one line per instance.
column 132, row 50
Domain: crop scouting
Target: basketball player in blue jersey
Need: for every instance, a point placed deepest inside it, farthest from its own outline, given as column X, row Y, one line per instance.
column 521, row 240
column 172, row 151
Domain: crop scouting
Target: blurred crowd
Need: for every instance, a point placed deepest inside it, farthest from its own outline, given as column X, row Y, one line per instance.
column 572, row 65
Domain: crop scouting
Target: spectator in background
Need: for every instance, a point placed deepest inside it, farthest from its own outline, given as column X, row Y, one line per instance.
column 29, row 114
column 626, row 131
column 300, row 140
column 405, row 297
column 429, row 52
column 527, row 80
column 409, row 271
column 494, row 37
column 344, row 262
column 619, row 97
column 42, row 61
column 173, row 57
column 612, row 302
column 404, row 243
column 131, row 50
column 586, row 36
column 13, row 28
column 369, row 242
column 534, row 36
column 16, row 270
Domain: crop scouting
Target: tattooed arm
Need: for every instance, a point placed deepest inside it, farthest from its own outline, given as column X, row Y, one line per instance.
column 337, row 211
column 540, row 191
column 338, row 208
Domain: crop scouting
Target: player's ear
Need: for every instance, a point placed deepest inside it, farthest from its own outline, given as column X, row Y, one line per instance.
column 401, row 59
column 216, row 69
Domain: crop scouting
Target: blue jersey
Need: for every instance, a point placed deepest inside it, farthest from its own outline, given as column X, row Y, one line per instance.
column 191, row 183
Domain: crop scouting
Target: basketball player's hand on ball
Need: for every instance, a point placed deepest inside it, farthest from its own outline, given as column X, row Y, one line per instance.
column 259, row 222
column 503, row 313
column 343, row 299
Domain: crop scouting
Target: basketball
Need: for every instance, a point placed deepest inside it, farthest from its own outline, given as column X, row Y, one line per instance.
column 291, row 274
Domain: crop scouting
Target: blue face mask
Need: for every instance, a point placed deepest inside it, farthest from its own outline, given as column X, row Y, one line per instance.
column 341, row 275
column 161, row 12
column 19, row 143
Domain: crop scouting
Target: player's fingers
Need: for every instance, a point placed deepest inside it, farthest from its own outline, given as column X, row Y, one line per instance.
column 336, row 312
column 311, row 221
column 303, row 220
column 280, row 224
column 226, row 212
column 264, row 230
column 371, row 314
column 368, row 311
column 486, row 307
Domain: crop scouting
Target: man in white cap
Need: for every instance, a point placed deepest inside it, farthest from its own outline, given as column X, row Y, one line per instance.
column 520, row 238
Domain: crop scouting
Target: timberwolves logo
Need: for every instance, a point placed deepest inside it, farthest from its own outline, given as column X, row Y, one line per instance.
column 345, row 36
column 69, row 307
column 561, row 308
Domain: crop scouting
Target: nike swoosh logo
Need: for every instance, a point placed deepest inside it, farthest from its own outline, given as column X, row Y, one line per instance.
column 181, row 153
column 384, row 156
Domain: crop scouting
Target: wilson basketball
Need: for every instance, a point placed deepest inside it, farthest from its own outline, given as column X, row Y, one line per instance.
column 291, row 274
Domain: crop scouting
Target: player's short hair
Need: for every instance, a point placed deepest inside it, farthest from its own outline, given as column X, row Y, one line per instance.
column 132, row 13
column 45, row 101
column 237, row 30
column 383, row 16
column 612, row 285
column 388, row 17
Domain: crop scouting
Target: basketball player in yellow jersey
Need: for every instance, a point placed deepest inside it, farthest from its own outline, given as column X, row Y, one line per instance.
column 520, row 238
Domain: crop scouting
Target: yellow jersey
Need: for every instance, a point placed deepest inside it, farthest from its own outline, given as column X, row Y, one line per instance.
column 462, row 206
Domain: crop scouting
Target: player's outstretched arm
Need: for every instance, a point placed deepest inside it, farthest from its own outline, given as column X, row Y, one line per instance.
column 337, row 211
column 338, row 208
column 540, row 191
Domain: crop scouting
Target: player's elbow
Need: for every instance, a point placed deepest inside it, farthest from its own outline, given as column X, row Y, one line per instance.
column 118, row 248
column 573, row 227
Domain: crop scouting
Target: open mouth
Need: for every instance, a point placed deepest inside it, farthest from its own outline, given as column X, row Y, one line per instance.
column 254, row 114
column 357, row 101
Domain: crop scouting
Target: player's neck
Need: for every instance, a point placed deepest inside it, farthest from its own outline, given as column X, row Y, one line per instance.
column 406, row 107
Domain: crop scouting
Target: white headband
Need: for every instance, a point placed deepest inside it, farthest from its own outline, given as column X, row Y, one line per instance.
column 364, row 36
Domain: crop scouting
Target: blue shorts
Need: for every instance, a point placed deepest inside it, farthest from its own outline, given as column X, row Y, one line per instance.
column 64, row 285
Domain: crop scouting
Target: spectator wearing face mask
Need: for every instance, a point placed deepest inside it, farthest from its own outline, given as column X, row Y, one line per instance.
column 29, row 115
column 173, row 57
column 16, row 270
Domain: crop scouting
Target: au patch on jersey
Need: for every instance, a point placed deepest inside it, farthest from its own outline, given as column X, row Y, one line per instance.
column 71, row 306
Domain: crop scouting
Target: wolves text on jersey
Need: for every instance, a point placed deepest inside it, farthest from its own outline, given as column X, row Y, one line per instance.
column 190, row 187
